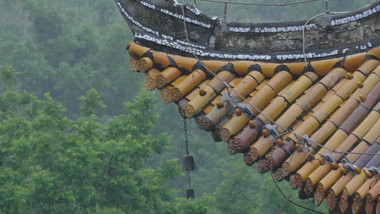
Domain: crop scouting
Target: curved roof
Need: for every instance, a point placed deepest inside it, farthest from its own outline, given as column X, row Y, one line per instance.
column 316, row 125
column 160, row 26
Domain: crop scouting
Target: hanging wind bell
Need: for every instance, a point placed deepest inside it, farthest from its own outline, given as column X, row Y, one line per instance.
column 188, row 163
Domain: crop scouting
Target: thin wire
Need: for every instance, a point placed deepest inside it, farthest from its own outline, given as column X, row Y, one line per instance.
column 303, row 33
column 229, row 87
column 226, row 84
column 283, row 204
column 295, row 203
column 261, row 4
column 279, row 189
column 304, row 39
column 282, row 134
column 253, row 106
column 282, row 193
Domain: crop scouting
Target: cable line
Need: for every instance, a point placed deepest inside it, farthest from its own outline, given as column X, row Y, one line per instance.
column 253, row 106
column 261, row 4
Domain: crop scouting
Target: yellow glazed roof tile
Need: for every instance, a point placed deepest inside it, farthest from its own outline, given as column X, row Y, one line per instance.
column 312, row 114
column 281, row 100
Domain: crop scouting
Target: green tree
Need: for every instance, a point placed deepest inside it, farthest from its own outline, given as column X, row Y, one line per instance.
column 91, row 103
column 233, row 195
column 52, row 164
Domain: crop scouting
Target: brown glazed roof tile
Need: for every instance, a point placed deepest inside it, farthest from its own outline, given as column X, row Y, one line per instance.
column 335, row 108
column 362, row 147
column 318, row 135
column 316, row 125
column 370, row 198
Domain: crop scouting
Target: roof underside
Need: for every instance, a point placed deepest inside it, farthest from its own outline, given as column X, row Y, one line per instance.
column 309, row 124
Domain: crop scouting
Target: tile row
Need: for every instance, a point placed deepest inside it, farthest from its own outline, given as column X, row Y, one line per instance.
column 315, row 125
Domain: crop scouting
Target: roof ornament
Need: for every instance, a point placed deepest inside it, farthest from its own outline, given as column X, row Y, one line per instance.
column 188, row 163
column 306, row 142
column 329, row 158
column 374, row 170
column 245, row 109
column 272, row 130
column 352, row 168
column 227, row 97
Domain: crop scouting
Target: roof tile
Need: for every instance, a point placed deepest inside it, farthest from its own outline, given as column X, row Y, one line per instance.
column 370, row 198
column 188, row 84
column 350, row 189
column 150, row 79
column 160, row 59
column 361, row 193
column 352, row 62
column 326, row 182
column 167, row 76
column 248, row 84
column 337, row 109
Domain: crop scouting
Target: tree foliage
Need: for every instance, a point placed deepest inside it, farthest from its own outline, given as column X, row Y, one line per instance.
column 52, row 164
